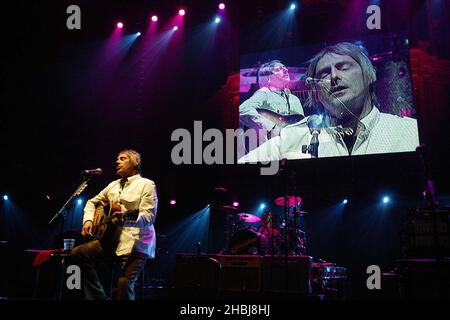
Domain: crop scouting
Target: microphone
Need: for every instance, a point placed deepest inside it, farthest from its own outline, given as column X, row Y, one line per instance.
column 311, row 80
column 97, row 171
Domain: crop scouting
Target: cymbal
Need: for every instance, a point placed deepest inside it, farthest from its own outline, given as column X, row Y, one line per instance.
column 291, row 201
column 303, row 213
column 229, row 208
column 247, row 217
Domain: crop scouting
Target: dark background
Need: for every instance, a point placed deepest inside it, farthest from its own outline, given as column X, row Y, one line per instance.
column 59, row 117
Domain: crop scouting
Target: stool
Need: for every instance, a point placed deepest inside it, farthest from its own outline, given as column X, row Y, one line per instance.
column 61, row 260
column 63, row 264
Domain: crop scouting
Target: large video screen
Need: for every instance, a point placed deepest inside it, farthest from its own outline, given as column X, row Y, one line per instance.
column 346, row 98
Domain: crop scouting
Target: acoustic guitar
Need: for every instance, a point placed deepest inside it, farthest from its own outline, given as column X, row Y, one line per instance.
column 104, row 228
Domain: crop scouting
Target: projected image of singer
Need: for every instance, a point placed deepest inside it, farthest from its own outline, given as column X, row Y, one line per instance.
column 272, row 107
column 342, row 79
column 129, row 237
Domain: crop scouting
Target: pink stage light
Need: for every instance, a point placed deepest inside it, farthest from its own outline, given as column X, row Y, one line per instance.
column 154, row 18
column 182, row 12
column 119, row 25
column 222, row 6
column 235, row 204
column 173, row 202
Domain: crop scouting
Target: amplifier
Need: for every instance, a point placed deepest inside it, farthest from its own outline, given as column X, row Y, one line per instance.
column 244, row 273
column 297, row 279
column 427, row 233
column 240, row 273
column 196, row 271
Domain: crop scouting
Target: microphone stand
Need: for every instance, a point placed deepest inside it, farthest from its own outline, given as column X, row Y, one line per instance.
column 313, row 147
column 288, row 233
column 63, row 210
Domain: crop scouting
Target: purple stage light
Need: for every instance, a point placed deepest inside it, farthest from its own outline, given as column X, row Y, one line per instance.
column 181, row 12
column 173, row 202
column 235, row 204
column 222, row 6
column 120, row 25
column 154, row 18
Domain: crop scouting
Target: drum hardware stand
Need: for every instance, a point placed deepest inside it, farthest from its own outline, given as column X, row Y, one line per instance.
column 429, row 193
column 269, row 226
column 284, row 172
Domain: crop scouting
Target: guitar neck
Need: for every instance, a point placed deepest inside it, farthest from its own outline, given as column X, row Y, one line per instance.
column 278, row 119
column 128, row 215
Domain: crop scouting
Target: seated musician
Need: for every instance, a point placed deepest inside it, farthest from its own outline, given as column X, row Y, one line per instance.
column 273, row 106
column 133, row 241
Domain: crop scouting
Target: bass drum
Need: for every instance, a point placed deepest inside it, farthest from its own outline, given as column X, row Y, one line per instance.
column 245, row 241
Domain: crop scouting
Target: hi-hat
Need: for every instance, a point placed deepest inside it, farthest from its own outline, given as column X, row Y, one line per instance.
column 291, row 201
column 247, row 217
column 302, row 213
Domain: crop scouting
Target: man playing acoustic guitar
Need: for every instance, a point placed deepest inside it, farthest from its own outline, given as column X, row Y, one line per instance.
column 273, row 106
column 131, row 242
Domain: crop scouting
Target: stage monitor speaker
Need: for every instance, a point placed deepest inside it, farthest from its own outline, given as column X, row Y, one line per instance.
column 196, row 271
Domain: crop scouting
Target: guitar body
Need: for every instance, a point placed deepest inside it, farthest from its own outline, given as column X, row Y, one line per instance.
column 104, row 229
column 280, row 120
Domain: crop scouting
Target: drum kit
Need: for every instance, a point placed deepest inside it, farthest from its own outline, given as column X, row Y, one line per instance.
column 268, row 234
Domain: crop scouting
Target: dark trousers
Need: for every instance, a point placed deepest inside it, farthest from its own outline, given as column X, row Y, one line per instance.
column 86, row 257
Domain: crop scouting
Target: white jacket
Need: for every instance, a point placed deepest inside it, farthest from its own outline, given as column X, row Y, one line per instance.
column 384, row 133
column 137, row 193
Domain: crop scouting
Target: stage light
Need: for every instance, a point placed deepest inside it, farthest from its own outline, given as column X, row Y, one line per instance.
column 181, row 12
column 217, row 20
column 222, row 6
column 345, row 201
column 293, row 6
column 262, row 206
column 235, row 204
column 173, row 202
column 120, row 25
column 175, row 28
column 138, row 34
column 79, row 201
column 5, row 197
column 154, row 18
column 386, row 199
